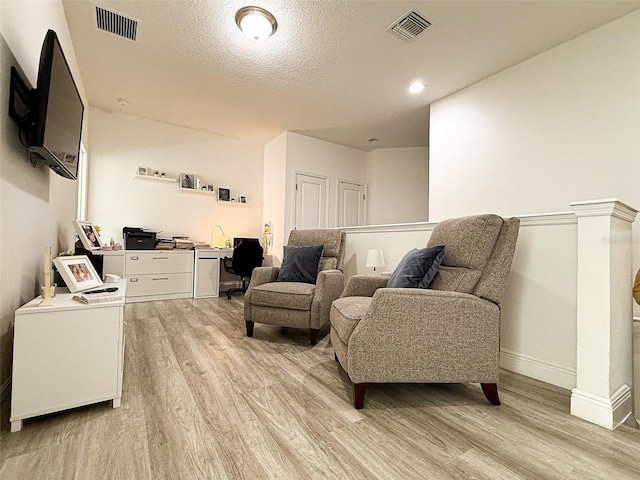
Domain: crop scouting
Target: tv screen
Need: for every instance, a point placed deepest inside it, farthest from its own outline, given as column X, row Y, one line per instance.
column 58, row 112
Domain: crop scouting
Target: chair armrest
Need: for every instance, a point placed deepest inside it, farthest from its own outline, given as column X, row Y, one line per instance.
column 259, row 276
column 416, row 335
column 329, row 286
column 364, row 285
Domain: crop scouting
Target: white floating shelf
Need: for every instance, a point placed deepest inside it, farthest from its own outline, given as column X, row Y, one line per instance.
column 234, row 204
column 193, row 190
column 155, row 179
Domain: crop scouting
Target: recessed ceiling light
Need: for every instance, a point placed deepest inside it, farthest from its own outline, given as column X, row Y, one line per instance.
column 416, row 87
column 256, row 23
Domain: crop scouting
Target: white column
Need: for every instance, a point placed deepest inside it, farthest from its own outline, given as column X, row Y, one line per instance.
column 604, row 368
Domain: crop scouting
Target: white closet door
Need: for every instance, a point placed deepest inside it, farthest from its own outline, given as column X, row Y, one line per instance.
column 351, row 204
column 311, row 201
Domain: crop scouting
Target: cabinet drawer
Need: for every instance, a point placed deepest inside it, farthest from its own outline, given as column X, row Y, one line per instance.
column 158, row 262
column 158, row 284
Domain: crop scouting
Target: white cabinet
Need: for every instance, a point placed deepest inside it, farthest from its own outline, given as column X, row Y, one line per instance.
column 158, row 274
column 206, row 276
column 66, row 355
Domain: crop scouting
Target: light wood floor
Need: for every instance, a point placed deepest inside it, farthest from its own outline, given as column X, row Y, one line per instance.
column 203, row 401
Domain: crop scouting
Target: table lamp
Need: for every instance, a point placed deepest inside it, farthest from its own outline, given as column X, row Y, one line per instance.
column 218, row 240
column 374, row 258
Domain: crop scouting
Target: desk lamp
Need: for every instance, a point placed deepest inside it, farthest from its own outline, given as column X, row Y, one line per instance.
column 218, row 240
column 374, row 258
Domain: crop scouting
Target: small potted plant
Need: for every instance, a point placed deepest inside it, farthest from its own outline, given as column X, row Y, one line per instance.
column 156, row 173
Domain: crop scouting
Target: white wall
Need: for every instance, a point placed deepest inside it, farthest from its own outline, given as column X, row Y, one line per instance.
column 274, row 198
column 398, row 181
column 36, row 206
column 120, row 143
column 310, row 155
column 562, row 126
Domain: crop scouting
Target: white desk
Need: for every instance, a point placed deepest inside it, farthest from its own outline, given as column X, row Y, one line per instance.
column 66, row 355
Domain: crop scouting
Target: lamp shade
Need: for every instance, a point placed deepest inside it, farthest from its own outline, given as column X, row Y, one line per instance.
column 374, row 258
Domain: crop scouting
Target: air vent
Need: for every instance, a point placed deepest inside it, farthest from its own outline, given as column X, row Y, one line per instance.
column 116, row 23
column 410, row 25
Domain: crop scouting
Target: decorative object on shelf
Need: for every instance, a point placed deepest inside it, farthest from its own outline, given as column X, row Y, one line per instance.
column 210, row 188
column 156, row 173
column 143, row 171
column 218, row 240
column 48, row 291
column 88, row 235
column 162, row 174
column 187, row 180
column 374, row 258
column 243, row 199
column 224, row 194
column 198, row 184
column 77, row 272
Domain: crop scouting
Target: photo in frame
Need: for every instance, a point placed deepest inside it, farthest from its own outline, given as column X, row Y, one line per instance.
column 187, row 180
column 77, row 272
column 243, row 199
column 143, row 171
column 224, row 194
column 88, row 235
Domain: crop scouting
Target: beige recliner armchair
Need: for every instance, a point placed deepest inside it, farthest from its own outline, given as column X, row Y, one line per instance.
column 449, row 333
column 296, row 304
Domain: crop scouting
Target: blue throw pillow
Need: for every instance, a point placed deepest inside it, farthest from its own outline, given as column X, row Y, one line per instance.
column 418, row 268
column 300, row 264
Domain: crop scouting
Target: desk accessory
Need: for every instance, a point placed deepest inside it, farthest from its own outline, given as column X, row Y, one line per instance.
column 49, row 290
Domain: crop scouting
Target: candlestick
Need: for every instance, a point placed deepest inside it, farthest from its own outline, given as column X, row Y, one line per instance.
column 47, row 293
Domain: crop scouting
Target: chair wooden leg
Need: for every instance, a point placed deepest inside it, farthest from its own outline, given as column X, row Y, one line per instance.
column 313, row 335
column 358, row 395
column 491, row 392
column 249, row 324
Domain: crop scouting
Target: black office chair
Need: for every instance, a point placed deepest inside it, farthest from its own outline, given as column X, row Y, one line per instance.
column 247, row 255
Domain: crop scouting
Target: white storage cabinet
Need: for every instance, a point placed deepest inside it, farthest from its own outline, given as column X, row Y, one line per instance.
column 66, row 355
column 158, row 275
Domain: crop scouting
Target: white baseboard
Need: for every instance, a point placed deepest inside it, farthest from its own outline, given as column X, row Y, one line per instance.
column 606, row 412
column 4, row 389
column 537, row 368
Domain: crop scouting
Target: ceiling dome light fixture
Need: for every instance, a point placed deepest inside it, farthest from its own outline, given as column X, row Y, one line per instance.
column 416, row 87
column 256, row 23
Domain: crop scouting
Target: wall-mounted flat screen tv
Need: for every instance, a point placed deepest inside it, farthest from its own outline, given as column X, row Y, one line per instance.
column 57, row 112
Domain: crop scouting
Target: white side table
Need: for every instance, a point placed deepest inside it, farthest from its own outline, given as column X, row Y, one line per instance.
column 66, row 355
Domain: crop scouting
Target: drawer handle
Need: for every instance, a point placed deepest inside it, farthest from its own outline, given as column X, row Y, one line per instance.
column 160, row 278
column 161, row 258
column 134, row 258
column 133, row 279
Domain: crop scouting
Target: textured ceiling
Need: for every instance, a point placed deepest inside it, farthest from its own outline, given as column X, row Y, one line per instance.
column 331, row 70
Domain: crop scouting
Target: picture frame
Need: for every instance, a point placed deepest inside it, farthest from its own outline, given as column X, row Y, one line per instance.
column 143, row 171
column 88, row 235
column 210, row 188
column 243, row 199
column 187, row 180
column 224, row 194
column 77, row 272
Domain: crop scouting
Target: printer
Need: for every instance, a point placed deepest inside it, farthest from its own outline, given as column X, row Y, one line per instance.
column 138, row 239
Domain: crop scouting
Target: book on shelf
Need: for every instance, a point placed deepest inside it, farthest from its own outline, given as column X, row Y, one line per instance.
column 97, row 297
